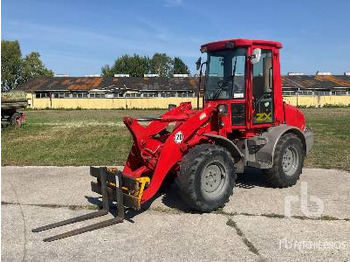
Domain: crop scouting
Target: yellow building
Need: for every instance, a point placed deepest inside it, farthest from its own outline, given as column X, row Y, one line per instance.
column 159, row 92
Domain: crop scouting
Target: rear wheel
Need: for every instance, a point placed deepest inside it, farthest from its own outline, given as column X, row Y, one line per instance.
column 207, row 177
column 16, row 119
column 288, row 162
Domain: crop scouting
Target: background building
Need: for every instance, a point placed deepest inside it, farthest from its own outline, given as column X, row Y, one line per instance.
column 76, row 92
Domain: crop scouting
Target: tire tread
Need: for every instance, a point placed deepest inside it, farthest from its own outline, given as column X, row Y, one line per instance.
column 187, row 175
column 273, row 175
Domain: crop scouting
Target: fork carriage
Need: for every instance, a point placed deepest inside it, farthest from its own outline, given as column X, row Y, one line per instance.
column 113, row 187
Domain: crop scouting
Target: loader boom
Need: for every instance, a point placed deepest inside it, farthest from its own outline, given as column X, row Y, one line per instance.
column 158, row 154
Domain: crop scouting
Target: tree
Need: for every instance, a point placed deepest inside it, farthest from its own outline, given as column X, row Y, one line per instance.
column 106, row 71
column 179, row 67
column 10, row 64
column 161, row 64
column 32, row 67
column 15, row 70
column 135, row 66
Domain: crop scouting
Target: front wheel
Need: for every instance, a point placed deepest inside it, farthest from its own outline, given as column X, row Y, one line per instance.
column 207, row 177
column 288, row 162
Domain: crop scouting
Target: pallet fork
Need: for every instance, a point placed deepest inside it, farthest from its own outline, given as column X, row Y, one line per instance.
column 113, row 186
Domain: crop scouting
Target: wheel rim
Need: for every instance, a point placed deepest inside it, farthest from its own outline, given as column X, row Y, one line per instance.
column 18, row 121
column 214, row 177
column 290, row 161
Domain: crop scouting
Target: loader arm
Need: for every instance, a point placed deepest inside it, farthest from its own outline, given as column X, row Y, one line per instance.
column 173, row 151
column 158, row 154
column 147, row 140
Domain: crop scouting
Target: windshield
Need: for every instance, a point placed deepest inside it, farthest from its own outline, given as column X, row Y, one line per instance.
column 226, row 74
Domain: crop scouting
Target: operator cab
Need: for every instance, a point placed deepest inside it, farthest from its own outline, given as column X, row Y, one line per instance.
column 243, row 76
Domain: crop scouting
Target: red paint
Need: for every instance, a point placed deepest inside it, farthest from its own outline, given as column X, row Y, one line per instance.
column 294, row 117
column 219, row 45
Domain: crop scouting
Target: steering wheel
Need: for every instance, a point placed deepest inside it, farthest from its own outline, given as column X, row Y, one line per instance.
column 225, row 82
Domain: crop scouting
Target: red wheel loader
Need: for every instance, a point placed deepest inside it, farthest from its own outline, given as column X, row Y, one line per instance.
column 243, row 122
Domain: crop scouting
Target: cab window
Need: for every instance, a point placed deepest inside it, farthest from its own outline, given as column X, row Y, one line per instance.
column 226, row 74
column 263, row 89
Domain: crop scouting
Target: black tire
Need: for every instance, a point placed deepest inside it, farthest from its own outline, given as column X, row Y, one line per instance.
column 288, row 162
column 207, row 177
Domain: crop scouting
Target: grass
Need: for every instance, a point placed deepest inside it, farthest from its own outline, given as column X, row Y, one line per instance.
column 84, row 117
column 69, row 137
column 332, row 141
column 98, row 137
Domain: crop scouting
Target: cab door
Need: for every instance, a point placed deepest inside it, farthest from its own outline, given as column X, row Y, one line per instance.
column 263, row 90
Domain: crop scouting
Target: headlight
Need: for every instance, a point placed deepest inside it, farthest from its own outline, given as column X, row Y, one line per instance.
column 222, row 109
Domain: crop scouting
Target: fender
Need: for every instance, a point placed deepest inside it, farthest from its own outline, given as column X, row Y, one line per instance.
column 266, row 154
column 228, row 144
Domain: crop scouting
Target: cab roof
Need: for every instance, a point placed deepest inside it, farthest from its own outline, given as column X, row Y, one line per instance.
column 227, row 44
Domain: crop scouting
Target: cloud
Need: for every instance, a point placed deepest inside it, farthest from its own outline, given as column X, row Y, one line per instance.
column 172, row 3
column 78, row 50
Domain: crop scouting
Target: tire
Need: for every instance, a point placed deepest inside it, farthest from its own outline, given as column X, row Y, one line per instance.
column 15, row 119
column 288, row 162
column 207, row 177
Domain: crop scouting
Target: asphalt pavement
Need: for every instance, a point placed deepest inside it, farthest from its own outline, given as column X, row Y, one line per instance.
column 307, row 222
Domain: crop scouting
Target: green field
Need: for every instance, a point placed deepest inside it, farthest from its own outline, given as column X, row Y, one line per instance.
column 98, row 137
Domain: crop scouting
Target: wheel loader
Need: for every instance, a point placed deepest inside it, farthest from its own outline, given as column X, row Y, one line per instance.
column 243, row 122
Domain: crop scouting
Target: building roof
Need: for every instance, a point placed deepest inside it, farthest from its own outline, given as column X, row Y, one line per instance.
column 121, row 84
column 316, row 81
column 111, row 83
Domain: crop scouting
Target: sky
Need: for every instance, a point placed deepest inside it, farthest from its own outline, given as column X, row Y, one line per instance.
column 79, row 37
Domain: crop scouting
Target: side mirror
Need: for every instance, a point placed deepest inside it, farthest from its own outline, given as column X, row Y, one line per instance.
column 198, row 63
column 256, row 55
